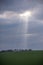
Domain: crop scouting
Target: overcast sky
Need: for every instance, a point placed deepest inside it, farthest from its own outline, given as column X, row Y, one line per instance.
column 21, row 24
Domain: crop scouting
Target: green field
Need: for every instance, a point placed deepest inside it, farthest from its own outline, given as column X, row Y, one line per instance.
column 22, row 58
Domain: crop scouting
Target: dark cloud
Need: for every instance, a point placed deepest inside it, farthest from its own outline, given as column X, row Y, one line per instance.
column 18, row 5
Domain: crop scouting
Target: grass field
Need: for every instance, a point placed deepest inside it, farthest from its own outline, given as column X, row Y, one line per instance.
column 21, row 58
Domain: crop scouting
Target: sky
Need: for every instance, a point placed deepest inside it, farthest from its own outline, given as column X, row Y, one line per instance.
column 21, row 24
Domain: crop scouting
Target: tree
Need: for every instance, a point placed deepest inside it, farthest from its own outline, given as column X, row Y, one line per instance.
column 30, row 49
column 9, row 50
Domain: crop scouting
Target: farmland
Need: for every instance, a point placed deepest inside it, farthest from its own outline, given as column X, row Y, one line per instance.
column 21, row 58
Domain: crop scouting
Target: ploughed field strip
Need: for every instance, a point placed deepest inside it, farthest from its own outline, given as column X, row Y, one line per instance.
column 21, row 58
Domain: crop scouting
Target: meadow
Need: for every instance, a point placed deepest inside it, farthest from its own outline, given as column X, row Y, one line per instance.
column 21, row 58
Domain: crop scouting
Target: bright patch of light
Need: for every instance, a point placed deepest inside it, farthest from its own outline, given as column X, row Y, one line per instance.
column 25, row 15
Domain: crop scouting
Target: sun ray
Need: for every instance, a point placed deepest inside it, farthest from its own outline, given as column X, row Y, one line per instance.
column 25, row 19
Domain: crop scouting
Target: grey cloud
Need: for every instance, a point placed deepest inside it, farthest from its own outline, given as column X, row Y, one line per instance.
column 35, row 27
column 35, row 41
column 12, row 38
column 38, row 12
column 18, row 5
column 22, row 5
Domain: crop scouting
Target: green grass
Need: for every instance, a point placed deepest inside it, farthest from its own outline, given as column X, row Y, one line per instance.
column 21, row 58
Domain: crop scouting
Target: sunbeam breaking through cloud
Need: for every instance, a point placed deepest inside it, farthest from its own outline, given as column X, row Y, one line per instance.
column 21, row 24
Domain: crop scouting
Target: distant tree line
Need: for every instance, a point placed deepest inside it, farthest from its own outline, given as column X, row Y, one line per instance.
column 16, row 50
